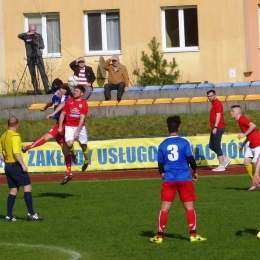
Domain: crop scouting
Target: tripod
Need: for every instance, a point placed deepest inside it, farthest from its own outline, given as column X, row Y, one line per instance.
column 36, row 61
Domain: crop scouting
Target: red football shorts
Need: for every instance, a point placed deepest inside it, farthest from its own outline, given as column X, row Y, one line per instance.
column 59, row 137
column 184, row 188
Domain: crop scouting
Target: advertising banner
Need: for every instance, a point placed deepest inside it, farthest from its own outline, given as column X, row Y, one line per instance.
column 126, row 153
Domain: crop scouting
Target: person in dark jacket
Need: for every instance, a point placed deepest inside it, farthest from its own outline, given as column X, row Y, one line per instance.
column 85, row 74
column 33, row 45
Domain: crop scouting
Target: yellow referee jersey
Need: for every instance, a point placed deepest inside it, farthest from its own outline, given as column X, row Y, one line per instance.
column 10, row 144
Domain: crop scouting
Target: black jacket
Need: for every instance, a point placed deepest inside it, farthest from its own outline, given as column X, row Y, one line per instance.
column 90, row 76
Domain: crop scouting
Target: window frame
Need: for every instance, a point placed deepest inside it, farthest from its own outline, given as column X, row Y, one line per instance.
column 182, row 47
column 104, row 51
column 43, row 18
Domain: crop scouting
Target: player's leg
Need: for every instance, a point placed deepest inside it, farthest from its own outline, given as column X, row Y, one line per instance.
column 168, row 192
column 38, row 142
column 29, row 203
column 187, row 197
column 69, row 141
column 249, row 166
column 73, row 155
column 53, row 133
column 83, row 139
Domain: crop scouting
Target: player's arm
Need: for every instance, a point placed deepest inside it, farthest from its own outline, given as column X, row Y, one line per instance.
column 81, row 122
column 59, row 108
column 193, row 165
column 240, row 147
column 61, row 120
column 49, row 104
column 2, row 158
column 251, row 127
column 161, row 169
column 16, row 144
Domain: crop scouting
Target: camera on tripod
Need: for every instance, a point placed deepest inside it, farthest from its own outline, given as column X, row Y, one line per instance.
column 31, row 39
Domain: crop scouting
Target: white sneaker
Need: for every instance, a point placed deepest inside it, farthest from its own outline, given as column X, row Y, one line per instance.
column 254, row 187
column 220, row 168
column 227, row 162
column 258, row 235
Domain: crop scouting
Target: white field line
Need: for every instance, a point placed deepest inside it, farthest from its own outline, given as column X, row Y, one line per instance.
column 73, row 255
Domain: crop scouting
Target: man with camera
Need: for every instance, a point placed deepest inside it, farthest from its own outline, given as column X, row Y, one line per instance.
column 33, row 45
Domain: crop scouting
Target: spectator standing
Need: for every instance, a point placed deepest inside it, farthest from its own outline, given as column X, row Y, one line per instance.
column 217, row 125
column 33, row 45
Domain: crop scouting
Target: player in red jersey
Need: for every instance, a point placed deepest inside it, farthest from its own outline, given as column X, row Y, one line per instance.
column 252, row 135
column 74, row 113
column 217, row 125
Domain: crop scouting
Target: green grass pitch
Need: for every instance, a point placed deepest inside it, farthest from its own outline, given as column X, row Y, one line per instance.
column 114, row 219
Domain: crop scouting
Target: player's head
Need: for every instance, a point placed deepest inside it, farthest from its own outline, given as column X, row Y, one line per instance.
column 173, row 124
column 65, row 90
column 211, row 95
column 78, row 92
column 13, row 122
column 236, row 111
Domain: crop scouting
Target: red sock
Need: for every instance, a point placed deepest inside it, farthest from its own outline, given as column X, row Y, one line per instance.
column 191, row 220
column 37, row 143
column 68, row 164
column 162, row 221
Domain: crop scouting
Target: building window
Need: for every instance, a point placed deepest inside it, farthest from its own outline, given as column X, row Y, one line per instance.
column 48, row 25
column 102, row 32
column 180, row 29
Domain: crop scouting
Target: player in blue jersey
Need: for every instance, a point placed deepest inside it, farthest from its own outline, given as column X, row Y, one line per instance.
column 174, row 157
column 59, row 97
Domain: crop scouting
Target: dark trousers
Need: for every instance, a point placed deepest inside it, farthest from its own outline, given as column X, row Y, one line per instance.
column 119, row 87
column 37, row 61
column 215, row 141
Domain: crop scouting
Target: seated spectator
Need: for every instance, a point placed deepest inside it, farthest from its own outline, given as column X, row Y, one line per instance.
column 85, row 74
column 117, row 78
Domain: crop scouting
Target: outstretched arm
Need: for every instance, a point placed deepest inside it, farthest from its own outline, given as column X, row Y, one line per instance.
column 58, row 109
column 49, row 104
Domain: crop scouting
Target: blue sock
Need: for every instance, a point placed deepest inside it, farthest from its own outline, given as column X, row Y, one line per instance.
column 28, row 201
column 10, row 204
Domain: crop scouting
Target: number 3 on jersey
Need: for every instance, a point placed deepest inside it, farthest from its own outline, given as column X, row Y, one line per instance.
column 174, row 155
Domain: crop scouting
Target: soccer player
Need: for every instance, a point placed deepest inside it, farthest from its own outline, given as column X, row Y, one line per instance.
column 174, row 157
column 217, row 125
column 15, row 170
column 74, row 113
column 252, row 135
column 60, row 96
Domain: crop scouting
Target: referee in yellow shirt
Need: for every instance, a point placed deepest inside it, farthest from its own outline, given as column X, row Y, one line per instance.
column 16, row 171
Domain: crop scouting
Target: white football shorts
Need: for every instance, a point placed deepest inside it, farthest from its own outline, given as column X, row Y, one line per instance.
column 252, row 153
column 70, row 131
